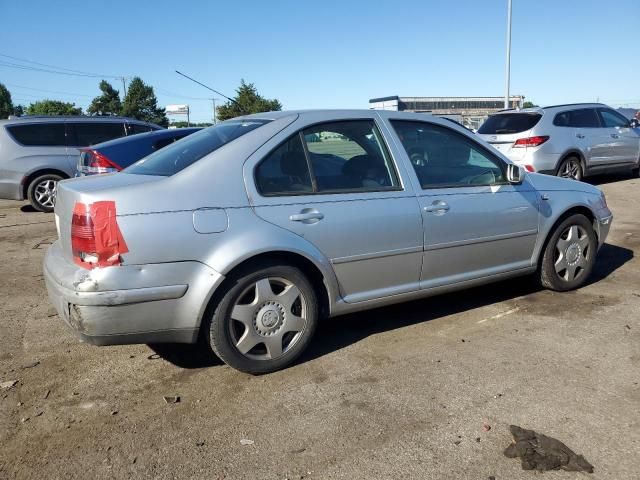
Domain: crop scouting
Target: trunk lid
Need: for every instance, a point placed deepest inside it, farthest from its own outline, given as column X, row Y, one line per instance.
column 502, row 130
column 88, row 190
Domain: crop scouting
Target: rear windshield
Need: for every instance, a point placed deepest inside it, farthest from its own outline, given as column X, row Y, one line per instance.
column 179, row 155
column 505, row 123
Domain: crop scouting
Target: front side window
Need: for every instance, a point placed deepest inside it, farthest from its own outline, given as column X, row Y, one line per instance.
column 443, row 158
column 133, row 128
column 39, row 134
column 337, row 157
column 611, row 119
column 89, row 133
column 179, row 155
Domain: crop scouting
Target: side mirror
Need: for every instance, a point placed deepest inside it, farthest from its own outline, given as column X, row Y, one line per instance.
column 515, row 174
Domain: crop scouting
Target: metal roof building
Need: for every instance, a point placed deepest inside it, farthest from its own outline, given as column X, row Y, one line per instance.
column 470, row 111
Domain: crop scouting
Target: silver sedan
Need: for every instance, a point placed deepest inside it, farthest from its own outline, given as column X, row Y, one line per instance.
column 245, row 234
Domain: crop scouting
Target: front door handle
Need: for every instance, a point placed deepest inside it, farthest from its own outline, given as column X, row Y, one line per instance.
column 438, row 207
column 580, row 135
column 615, row 135
column 307, row 216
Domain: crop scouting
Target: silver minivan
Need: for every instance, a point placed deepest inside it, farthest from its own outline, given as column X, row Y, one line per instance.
column 571, row 141
column 36, row 152
column 247, row 233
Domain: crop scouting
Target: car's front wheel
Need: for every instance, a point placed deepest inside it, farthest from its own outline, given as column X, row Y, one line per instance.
column 569, row 255
column 41, row 192
column 264, row 320
column 571, row 167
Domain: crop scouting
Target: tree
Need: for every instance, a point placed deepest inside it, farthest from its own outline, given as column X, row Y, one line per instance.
column 141, row 103
column 246, row 101
column 18, row 110
column 6, row 104
column 108, row 103
column 53, row 107
column 528, row 105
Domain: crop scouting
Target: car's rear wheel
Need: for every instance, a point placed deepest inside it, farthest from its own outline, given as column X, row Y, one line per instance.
column 571, row 167
column 264, row 320
column 41, row 192
column 635, row 171
column 569, row 255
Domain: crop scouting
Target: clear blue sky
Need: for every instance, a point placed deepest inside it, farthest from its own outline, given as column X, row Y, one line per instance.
column 330, row 53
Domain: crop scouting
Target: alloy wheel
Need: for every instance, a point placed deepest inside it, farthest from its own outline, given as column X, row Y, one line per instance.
column 268, row 319
column 45, row 193
column 570, row 169
column 572, row 253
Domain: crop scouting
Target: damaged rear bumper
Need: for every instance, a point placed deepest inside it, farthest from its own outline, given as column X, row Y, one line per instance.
column 130, row 304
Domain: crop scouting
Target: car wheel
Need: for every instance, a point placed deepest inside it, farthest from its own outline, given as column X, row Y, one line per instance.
column 571, row 167
column 569, row 255
column 635, row 172
column 41, row 192
column 264, row 320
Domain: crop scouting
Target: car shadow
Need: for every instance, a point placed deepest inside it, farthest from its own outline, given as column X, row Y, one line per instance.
column 28, row 209
column 606, row 178
column 337, row 333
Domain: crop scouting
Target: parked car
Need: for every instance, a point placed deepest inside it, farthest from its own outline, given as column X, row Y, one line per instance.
column 114, row 155
column 246, row 233
column 571, row 141
column 36, row 152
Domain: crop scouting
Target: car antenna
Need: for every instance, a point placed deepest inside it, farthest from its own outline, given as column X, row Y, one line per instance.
column 213, row 90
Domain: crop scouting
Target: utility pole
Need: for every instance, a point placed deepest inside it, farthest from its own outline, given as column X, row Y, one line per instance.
column 508, row 67
column 124, row 88
column 214, row 110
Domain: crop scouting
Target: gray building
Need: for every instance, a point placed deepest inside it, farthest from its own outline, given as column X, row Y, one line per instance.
column 470, row 111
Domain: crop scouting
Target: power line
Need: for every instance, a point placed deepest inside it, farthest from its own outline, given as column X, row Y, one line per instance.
column 49, row 91
column 77, row 72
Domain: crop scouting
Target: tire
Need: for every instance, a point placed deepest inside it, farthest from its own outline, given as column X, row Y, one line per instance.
column 41, row 192
column 569, row 255
column 264, row 320
column 571, row 167
column 635, row 171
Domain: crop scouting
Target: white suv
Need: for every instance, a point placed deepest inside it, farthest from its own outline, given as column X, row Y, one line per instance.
column 570, row 141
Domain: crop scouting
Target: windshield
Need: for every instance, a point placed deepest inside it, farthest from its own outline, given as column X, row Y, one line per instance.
column 504, row 123
column 181, row 154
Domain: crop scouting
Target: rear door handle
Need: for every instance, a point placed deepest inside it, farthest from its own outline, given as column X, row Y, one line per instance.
column 307, row 216
column 615, row 135
column 438, row 207
column 580, row 135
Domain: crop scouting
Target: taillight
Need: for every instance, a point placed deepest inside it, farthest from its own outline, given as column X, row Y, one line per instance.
column 92, row 161
column 531, row 141
column 529, row 168
column 96, row 239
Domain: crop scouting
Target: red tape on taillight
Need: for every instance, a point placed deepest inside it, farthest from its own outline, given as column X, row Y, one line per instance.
column 96, row 239
column 531, row 141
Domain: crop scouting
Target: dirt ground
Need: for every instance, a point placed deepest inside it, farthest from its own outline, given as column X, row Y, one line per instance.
column 398, row 392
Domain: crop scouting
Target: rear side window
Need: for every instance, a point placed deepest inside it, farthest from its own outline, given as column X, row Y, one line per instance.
column 163, row 142
column 285, row 171
column 506, row 123
column 179, row 155
column 133, row 128
column 39, row 134
column 338, row 157
column 581, row 118
column 90, row 133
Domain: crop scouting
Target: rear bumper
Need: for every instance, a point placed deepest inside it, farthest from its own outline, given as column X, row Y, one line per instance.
column 11, row 185
column 151, row 304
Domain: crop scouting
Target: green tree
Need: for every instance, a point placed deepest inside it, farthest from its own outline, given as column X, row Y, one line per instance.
column 246, row 101
column 108, row 103
column 53, row 107
column 6, row 104
column 18, row 110
column 528, row 105
column 141, row 103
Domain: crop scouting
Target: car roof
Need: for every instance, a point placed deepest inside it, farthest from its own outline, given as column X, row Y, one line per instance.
column 157, row 134
column 75, row 118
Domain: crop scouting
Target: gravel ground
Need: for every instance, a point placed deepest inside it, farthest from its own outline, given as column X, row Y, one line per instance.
column 397, row 392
